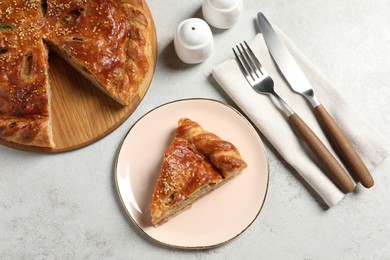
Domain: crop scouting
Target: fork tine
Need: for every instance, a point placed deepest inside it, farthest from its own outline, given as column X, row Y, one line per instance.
column 240, row 61
column 253, row 67
column 253, row 57
column 244, row 61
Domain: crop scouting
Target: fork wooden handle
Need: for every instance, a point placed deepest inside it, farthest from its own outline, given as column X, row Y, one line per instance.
column 345, row 148
column 325, row 157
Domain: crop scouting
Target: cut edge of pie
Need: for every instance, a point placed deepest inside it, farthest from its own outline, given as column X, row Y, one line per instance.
column 188, row 173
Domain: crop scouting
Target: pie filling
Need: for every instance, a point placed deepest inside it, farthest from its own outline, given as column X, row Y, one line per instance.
column 186, row 204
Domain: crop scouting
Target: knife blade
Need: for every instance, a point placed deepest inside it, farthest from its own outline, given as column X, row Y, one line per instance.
column 300, row 84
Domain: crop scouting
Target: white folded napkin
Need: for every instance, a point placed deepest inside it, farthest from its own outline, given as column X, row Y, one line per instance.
column 265, row 112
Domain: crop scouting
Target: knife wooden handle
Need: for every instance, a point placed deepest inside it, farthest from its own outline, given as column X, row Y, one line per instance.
column 325, row 157
column 345, row 148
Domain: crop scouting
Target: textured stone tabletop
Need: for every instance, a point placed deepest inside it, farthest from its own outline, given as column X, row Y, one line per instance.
column 65, row 206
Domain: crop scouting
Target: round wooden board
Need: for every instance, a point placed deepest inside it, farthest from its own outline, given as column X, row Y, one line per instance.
column 81, row 113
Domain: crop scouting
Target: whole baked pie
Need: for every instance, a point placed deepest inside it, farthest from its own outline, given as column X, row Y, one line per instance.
column 107, row 41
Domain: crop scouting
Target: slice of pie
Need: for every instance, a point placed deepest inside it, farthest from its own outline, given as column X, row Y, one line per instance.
column 188, row 171
column 185, row 176
column 108, row 41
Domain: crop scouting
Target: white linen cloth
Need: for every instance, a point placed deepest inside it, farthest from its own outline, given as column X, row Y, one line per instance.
column 266, row 114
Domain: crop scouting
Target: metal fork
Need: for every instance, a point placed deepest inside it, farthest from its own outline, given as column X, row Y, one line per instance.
column 262, row 83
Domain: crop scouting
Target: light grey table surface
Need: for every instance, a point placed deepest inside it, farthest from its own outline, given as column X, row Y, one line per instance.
column 65, row 206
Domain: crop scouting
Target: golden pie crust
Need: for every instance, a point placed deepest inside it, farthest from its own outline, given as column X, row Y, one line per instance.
column 108, row 41
column 195, row 163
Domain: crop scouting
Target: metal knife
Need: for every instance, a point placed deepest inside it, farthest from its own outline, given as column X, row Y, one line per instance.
column 299, row 83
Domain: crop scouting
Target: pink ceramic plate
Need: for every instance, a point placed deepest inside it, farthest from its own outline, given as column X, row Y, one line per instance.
column 218, row 217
